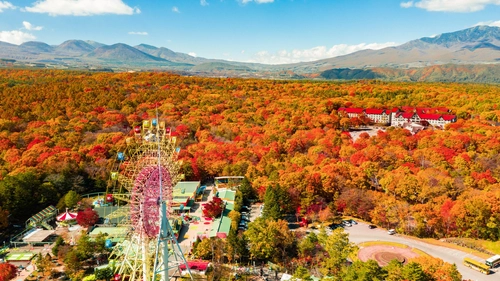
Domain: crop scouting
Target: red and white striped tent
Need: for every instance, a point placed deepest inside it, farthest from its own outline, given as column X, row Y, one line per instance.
column 66, row 216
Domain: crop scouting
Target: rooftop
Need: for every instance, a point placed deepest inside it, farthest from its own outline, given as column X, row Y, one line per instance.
column 186, row 188
column 226, row 194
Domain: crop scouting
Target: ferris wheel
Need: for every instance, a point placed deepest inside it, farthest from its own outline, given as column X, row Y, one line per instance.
column 142, row 179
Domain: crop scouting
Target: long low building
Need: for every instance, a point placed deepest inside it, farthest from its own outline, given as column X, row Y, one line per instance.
column 397, row 117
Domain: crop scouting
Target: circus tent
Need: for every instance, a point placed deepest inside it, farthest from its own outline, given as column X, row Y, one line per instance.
column 66, row 216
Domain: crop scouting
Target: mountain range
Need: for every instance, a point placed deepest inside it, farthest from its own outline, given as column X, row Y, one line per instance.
column 479, row 45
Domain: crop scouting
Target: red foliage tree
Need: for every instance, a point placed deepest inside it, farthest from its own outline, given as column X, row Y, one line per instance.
column 213, row 208
column 7, row 271
column 87, row 218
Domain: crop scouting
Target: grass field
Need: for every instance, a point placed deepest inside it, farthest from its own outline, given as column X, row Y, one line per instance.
column 491, row 246
column 19, row 256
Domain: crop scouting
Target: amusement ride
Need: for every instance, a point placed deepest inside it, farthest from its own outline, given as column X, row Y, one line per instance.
column 142, row 180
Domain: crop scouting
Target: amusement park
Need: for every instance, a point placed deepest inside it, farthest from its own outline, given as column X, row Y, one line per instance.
column 149, row 217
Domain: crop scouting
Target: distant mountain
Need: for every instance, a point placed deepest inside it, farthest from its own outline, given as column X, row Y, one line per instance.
column 170, row 55
column 122, row 53
column 475, row 46
column 75, row 46
column 464, row 37
column 36, row 47
column 94, row 43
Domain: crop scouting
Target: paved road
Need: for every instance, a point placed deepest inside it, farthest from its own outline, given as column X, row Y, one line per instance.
column 361, row 233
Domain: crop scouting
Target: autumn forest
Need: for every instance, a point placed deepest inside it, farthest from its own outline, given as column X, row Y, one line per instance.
column 61, row 131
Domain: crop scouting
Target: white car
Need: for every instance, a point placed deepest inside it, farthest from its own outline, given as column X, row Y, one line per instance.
column 346, row 223
column 391, row 231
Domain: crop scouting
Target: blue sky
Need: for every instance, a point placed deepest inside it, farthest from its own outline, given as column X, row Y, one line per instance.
column 267, row 31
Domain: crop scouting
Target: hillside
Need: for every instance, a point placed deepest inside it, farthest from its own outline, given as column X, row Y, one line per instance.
column 436, row 73
column 122, row 53
column 169, row 55
column 476, row 45
column 77, row 47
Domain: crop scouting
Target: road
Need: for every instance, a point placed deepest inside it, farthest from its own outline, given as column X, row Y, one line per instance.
column 361, row 233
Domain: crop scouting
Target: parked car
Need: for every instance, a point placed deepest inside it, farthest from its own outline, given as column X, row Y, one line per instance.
column 334, row 226
column 391, row 231
column 346, row 223
column 372, row 226
column 353, row 222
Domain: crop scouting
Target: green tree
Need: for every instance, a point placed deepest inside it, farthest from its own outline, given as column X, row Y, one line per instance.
column 307, row 245
column 72, row 262
column 339, row 249
column 394, row 271
column 413, row 271
column 301, row 273
column 202, row 249
column 248, row 193
column 272, row 209
column 57, row 244
column 43, row 264
column 270, row 240
column 276, row 203
column 100, row 243
column 19, row 191
column 4, row 218
column 85, row 248
column 236, row 246
column 364, row 271
column 105, row 273
column 71, row 199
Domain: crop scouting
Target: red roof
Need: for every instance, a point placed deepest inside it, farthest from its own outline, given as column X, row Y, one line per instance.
column 430, row 116
column 195, row 265
column 448, row 117
column 374, row 111
column 406, row 115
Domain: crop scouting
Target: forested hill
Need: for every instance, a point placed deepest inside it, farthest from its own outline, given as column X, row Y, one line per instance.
column 60, row 131
column 486, row 73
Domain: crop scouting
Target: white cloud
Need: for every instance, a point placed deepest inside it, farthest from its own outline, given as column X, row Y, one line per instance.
column 203, row 2
column 316, row 53
column 460, row 6
column 4, row 5
column 138, row 33
column 81, row 7
column 29, row 26
column 406, row 4
column 16, row 37
column 192, row 54
column 175, row 10
column 490, row 23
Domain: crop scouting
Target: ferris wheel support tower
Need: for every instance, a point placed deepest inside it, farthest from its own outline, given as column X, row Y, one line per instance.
column 145, row 178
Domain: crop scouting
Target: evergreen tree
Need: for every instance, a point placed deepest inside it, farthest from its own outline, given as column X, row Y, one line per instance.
column 247, row 191
column 413, row 271
column 272, row 207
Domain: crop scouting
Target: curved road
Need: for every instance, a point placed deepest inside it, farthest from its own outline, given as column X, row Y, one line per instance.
column 361, row 233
